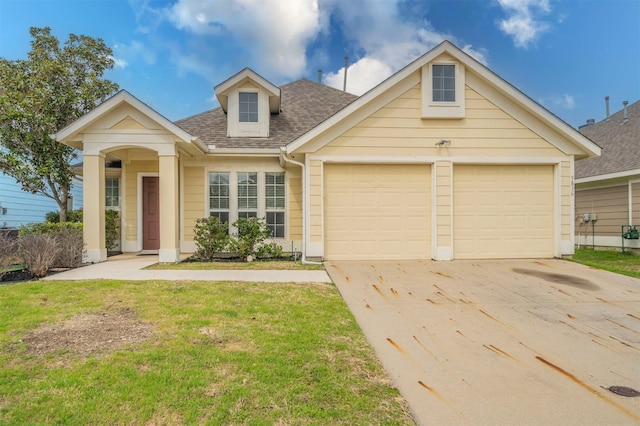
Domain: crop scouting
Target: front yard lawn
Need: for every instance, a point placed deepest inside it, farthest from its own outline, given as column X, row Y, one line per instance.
column 162, row 352
column 609, row 260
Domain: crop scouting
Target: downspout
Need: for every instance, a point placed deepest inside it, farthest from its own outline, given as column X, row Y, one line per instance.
column 285, row 159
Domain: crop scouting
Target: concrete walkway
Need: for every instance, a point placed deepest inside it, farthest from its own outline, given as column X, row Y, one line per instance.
column 131, row 267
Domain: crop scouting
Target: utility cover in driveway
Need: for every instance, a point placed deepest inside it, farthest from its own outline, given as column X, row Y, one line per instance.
column 517, row 342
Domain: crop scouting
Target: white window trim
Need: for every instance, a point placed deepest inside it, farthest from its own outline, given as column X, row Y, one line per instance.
column 431, row 109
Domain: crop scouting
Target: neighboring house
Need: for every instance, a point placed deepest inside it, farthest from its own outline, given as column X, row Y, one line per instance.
column 608, row 187
column 18, row 207
column 443, row 160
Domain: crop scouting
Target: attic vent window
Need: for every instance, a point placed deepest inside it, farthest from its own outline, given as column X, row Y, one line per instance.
column 444, row 83
column 248, row 105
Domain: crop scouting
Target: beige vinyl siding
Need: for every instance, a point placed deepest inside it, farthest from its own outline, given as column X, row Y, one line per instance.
column 315, row 201
column 635, row 202
column 375, row 211
column 443, row 198
column 399, row 129
column 193, row 199
column 565, row 201
column 294, row 176
column 131, row 182
column 503, row 211
column 611, row 205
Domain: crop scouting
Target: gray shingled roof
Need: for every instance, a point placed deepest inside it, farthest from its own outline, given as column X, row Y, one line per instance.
column 304, row 105
column 620, row 144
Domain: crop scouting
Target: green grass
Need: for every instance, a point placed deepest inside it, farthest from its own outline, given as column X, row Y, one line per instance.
column 221, row 353
column 257, row 265
column 609, row 260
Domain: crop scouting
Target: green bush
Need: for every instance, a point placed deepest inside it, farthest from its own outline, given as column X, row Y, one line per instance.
column 48, row 228
column 269, row 250
column 251, row 233
column 211, row 236
column 72, row 216
column 111, row 228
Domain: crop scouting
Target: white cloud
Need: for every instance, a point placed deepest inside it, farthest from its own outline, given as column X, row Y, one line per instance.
column 523, row 22
column 275, row 37
column 275, row 32
column 564, row 101
column 361, row 76
column 119, row 63
column 128, row 53
column 393, row 44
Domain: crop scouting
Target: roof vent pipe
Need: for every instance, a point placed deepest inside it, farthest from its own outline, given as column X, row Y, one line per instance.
column 319, row 75
column 625, row 118
column 606, row 101
column 346, row 65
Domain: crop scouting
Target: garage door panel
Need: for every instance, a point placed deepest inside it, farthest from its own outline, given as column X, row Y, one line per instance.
column 503, row 211
column 386, row 207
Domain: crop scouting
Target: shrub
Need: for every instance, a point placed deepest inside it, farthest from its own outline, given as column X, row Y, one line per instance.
column 72, row 216
column 71, row 247
column 38, row 252
column 211, row 236
column 67, row 237
column 8, row 251
column 269, row 250
column 111, row 228
column 251, row 233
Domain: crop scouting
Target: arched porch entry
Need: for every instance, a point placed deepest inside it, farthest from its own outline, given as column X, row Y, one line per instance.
column 149, row 199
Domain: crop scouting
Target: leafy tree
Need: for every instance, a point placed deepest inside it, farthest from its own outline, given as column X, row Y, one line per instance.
column 38, row 96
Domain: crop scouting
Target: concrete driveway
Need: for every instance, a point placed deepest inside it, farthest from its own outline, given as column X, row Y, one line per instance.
column 501, row 342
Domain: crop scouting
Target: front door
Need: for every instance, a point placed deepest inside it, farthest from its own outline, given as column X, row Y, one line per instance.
column 150, row 213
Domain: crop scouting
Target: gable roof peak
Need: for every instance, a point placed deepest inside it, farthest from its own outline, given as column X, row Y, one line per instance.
column 247, row 74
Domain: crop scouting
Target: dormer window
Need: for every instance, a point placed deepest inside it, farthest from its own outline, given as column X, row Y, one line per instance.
column 249, row 102
column 444, row 83
column 248, row 107
column 443, row 89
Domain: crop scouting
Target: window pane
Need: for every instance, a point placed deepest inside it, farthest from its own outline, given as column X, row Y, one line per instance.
column 248, row 192
column 275, row 200
column 247, row 214
column 219, row 195
column 275, row 223
column 112, row 192
column 443, row 83
column 248, row 107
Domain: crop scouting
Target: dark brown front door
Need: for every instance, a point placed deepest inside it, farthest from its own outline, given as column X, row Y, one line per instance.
column 150, row 213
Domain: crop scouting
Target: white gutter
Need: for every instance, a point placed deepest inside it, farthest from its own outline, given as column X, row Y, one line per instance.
column 285, row 159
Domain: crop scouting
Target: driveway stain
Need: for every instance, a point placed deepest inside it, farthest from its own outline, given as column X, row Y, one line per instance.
column 559, row 278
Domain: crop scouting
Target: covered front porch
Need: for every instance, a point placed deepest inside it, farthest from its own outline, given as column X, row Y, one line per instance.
column 149, row 148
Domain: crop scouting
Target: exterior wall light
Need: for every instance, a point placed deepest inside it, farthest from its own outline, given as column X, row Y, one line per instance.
column 443, row 142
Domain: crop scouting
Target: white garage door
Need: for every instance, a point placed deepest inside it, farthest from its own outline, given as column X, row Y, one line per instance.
column 377, row 212
column 502, row 211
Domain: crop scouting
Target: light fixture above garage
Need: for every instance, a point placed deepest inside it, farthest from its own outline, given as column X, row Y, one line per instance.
column 443, row 142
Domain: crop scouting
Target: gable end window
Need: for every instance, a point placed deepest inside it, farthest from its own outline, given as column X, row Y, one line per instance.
column 248, row 107
column 443, row 89
column 444, row 83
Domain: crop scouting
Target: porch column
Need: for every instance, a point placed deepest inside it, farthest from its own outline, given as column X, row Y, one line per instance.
column 93, row 215
column 169, row 208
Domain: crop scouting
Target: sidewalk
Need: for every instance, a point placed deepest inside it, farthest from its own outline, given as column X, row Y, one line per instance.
column 131, row 267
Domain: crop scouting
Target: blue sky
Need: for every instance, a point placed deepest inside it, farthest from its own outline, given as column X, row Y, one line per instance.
column 566, row 55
